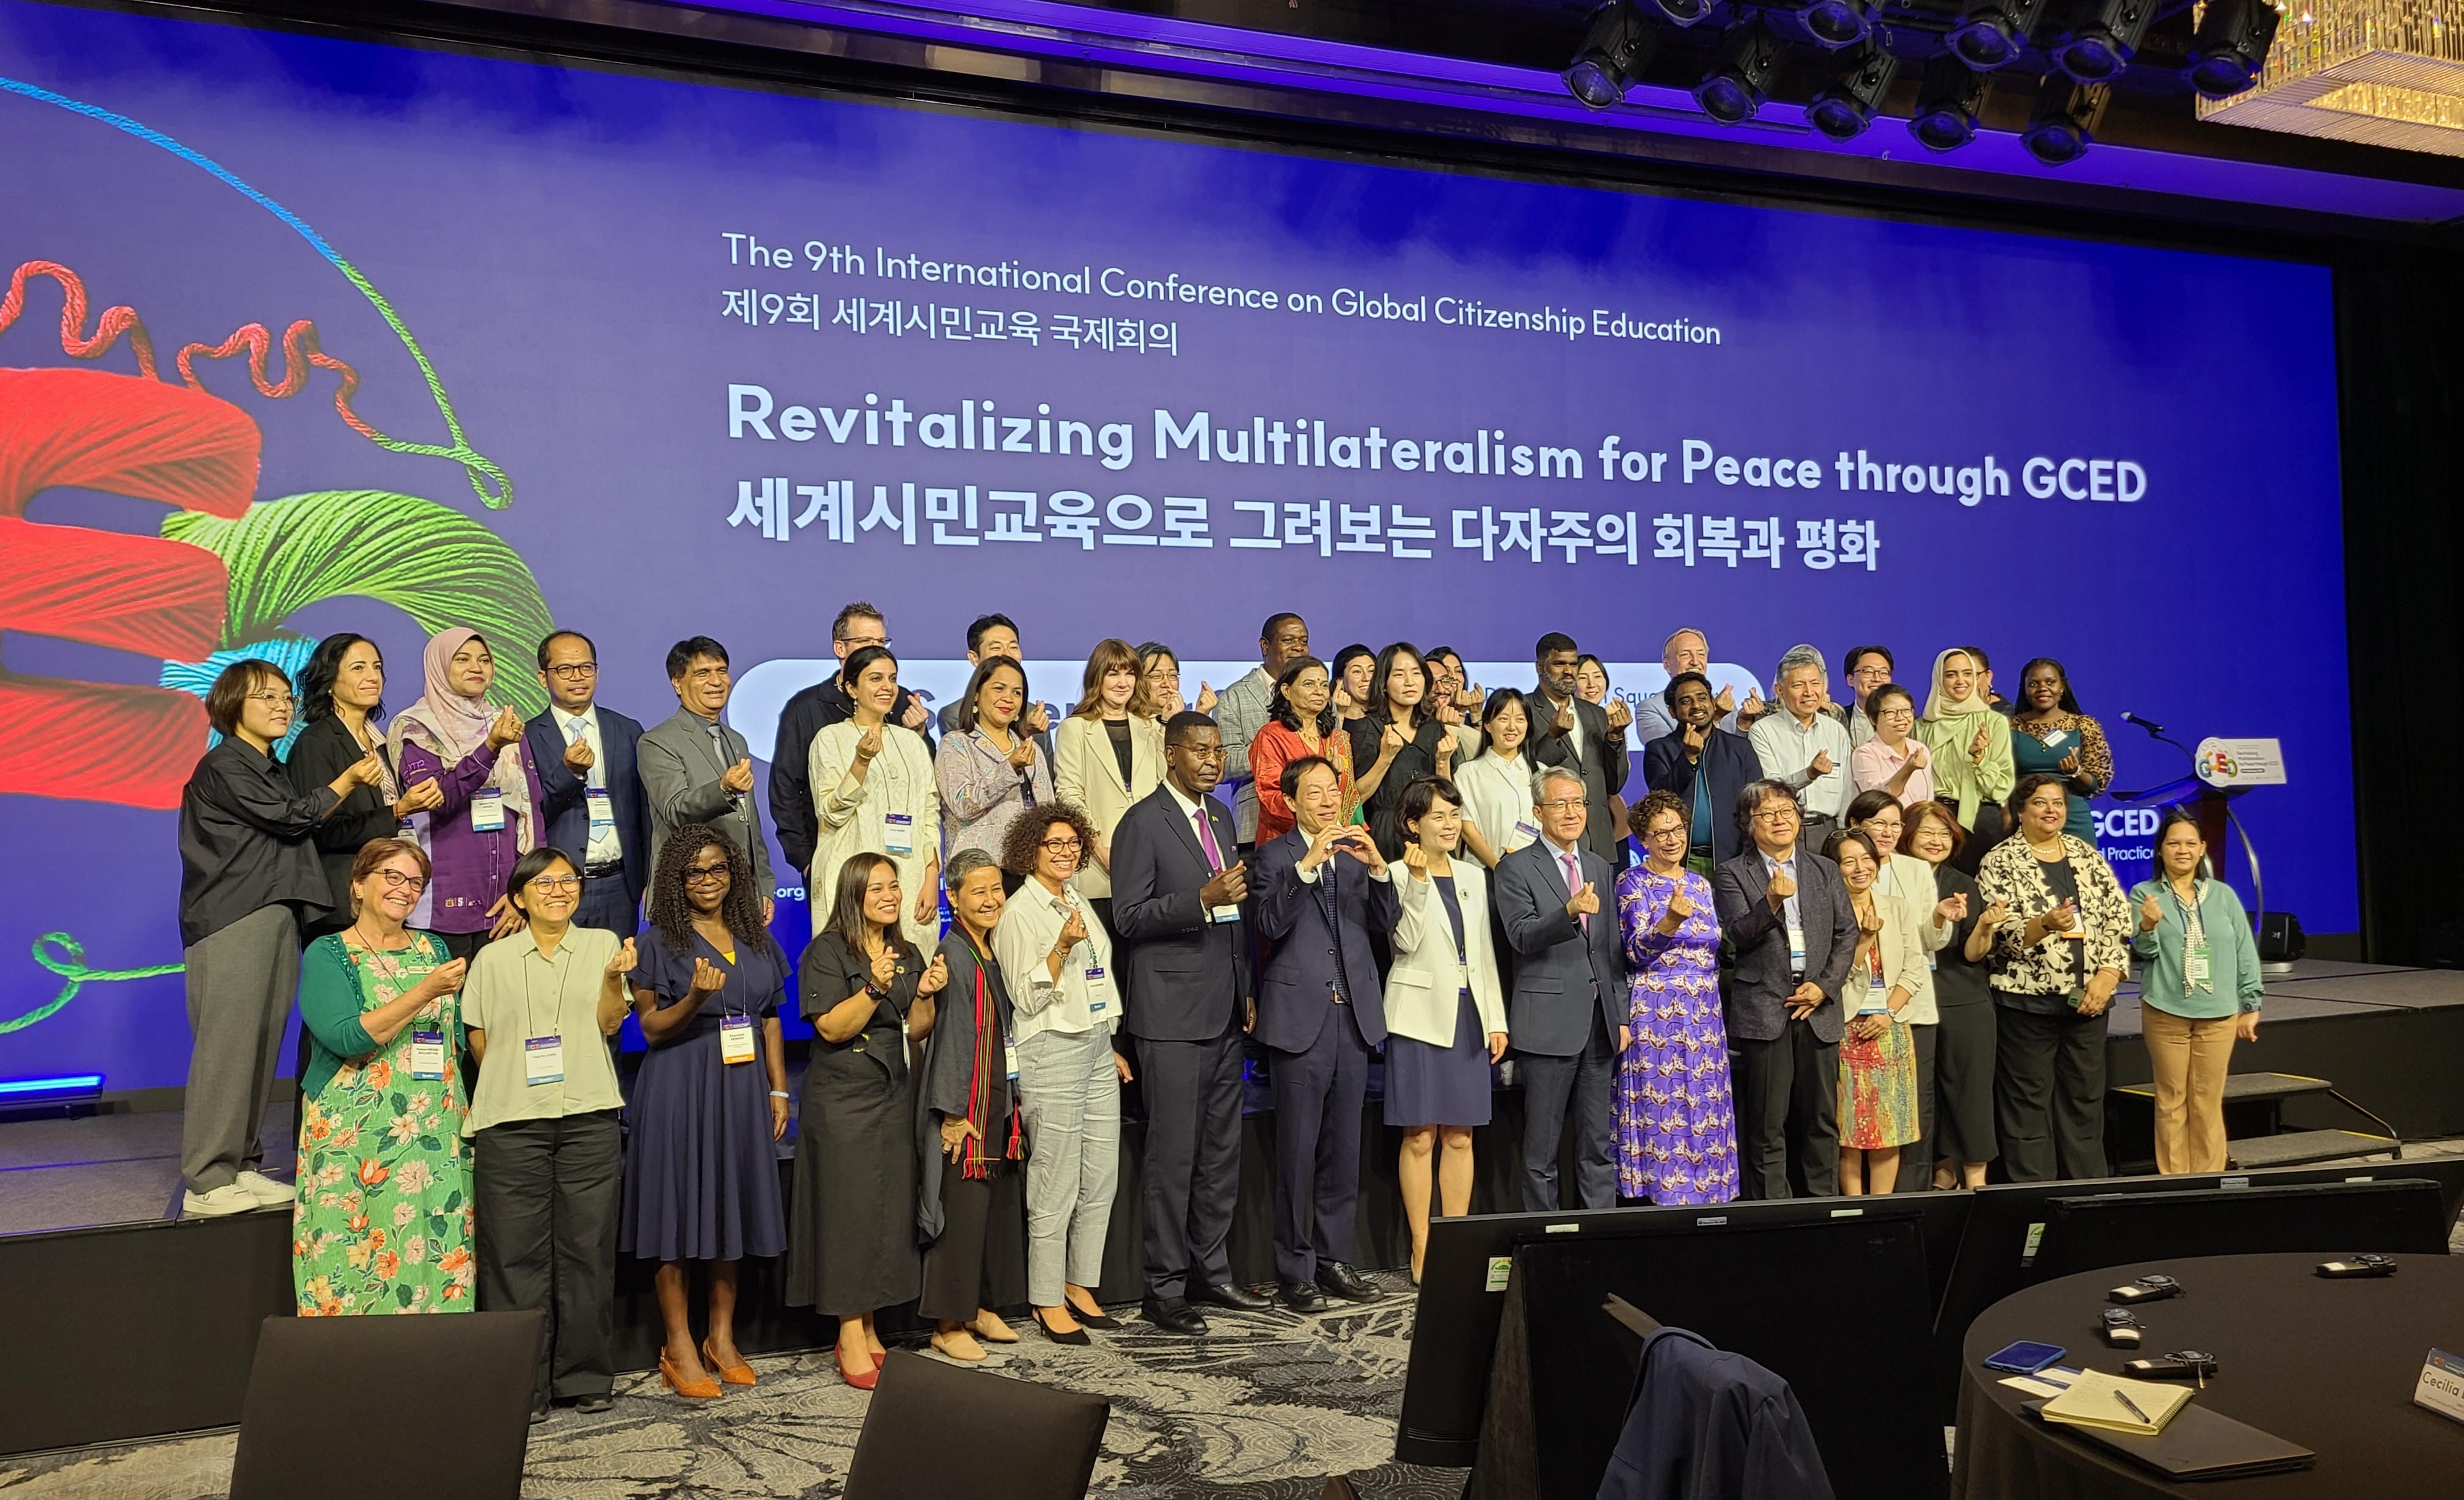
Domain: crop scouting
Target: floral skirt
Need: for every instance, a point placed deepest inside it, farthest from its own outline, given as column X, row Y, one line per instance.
column 384, row 1220
column 1878, row 1090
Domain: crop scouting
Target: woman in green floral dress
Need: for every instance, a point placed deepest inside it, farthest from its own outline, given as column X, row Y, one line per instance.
column 383, row 1223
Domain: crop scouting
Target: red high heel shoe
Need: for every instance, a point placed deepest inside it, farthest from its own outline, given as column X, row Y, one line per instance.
column 864, row 1380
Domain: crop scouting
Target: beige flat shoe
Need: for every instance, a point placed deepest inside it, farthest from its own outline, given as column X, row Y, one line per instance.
column 958, row 1344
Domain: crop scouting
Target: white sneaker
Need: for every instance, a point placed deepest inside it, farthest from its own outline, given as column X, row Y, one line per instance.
column 232, row 1198
column 268, row 1192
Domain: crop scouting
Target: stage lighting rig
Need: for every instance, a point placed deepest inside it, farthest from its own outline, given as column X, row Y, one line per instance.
column 2064, row 122
column 1839, row 23
column 1740, row 80
column 1992, row 32
column 1852, row 94
column 2100, row 38
column 2229, row 47
column 1617, row 47
column 1949, row 98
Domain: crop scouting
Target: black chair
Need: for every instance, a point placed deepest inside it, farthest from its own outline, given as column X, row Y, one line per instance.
column 454, row 1387
column 1031, row 1442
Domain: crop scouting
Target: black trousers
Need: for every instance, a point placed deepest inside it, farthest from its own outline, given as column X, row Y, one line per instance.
column 1585, row 1082
column 980, row 1260
column 1788, row 1114
column 1318, row 1095
column 2049, row 1094
column 1916, row 1161
column 546, row 1194
column 1192, row 1158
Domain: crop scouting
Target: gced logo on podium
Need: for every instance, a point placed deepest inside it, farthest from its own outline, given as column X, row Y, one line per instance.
column 2127, row 823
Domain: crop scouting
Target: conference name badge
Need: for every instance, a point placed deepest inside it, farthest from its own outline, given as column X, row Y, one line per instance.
column 736, row 1040
column 897, row 833
column 1795, row 948
column 1009, row 1056
column 2198, row 966
column 1525, row 831
column 487, row 811
column 427, row 1055
column 544, row 1060
column 602, row 812
column 2442, row 1384
column 1878, row 995
column 1099, row 990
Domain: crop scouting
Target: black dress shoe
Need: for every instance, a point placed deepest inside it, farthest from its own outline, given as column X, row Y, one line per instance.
column 1174, row 1315
column 1303, row 1296
column 1076, row 1335
column 600, row 1402
column 1346, row 1283
column 1230, row 1294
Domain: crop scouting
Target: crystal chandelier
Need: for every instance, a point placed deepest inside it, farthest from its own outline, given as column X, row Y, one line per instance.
column 2379, row 71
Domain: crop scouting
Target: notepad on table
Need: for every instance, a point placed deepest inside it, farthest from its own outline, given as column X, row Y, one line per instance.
column 2107, row 1402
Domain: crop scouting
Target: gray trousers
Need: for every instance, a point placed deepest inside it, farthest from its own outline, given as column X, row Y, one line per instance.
column 1586, row 1085
column 1069, row 1099
column 240, row 983
column 546, row 1194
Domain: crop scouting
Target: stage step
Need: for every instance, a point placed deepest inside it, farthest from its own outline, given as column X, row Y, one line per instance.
column 2296, row 1147
column 2242, row 1088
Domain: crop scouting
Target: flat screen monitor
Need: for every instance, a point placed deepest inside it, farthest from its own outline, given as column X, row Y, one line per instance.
column 2394, row 1216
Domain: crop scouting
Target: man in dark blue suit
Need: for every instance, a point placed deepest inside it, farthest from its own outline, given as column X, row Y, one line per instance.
column 1323, row 888
column 1176, row 899
column 1569, row 1009
column 593, row 804
column 1704, row 768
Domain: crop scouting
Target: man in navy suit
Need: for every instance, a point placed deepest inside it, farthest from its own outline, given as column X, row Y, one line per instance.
column 1323, row 888
column 1569, row 1009
column 1177, row 895
column 1704, row 768
column 1786, row 921
column 594, row 809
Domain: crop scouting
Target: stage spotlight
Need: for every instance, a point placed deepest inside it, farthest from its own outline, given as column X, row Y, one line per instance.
column 1839, row 23
column 1615, row 48
column 2064, row 122
column 1991, row 32
column 2100, row 38
column 1740, row 81
column 2230, row 47
column 1948, row 101
column 1683, row 12
column 1847, row 100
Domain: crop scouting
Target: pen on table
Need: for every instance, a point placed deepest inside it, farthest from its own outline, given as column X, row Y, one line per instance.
column 2133, row 1407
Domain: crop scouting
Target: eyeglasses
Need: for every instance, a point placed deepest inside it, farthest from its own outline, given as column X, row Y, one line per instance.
column 1777, row 815
column 1562, row 805
column 396, row 880
column 549, row 885
column 857, row 643
column 1196, row 752
column 1673, row 830
column 574, row 671
column 277, row 700
column 1062, row 845
column 705, row 874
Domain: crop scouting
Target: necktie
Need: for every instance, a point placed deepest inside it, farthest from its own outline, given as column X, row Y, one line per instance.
column 1325, row 904
column 1206, row 840
column 574, row 736
column 1575, row 883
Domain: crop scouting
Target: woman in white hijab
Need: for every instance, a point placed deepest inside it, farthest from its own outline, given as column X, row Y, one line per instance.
column 488, row 817
column 1969, row 746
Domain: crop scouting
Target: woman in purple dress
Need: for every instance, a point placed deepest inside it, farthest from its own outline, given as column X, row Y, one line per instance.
column 1677, row 1121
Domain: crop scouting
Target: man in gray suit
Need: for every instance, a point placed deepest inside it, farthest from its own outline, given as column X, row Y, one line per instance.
column 1569, row 1008
column 695, row 769
column 1791, row 935
column 1569, row 733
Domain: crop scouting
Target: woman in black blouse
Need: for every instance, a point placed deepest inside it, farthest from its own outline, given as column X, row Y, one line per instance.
column 1401, row 742
column 852, row 1244
column 342, row 697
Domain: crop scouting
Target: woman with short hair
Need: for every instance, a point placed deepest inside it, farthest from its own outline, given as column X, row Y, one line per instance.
column 851, row 1250
column 709, row 1102
column 2200, row 991
column 1351, row 670
column 547, row 1153
column 248, row 876
column 1677, row 1114
column 385, row 1217
column 1160, row 684
column 1892, row 759
column 1963, row 1030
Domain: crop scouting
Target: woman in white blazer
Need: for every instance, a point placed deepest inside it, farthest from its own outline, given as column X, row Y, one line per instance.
column 873, row 792
column 1106, row 758
column 1445, row 1018
column 1878, row 1059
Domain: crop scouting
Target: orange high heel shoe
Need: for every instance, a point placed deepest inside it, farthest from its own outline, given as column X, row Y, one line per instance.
column 733, row 1373
column 704, row 1389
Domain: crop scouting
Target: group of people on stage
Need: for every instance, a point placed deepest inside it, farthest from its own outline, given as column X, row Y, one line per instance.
column 1848, row 949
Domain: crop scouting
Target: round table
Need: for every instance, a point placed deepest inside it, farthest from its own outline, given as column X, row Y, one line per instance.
column 2329, row 1364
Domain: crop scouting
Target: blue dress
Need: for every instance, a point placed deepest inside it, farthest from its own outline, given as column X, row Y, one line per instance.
column 701, row 1171
column 1441, row 1084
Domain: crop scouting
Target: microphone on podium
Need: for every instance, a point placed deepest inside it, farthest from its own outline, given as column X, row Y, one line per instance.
column 2149, row 725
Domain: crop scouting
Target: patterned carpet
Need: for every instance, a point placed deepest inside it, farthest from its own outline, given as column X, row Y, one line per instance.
column 1264, row 1408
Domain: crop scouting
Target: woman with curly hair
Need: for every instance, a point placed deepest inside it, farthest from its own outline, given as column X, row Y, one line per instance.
column 1058, row 963
column 1677, row 1112
column 701, row 1178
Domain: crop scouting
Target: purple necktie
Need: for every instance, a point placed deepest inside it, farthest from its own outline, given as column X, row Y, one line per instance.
column 1206, row 840
column 1575, row 883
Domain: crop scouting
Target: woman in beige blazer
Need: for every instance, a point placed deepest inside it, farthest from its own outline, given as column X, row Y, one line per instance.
column 1106, row 758
column 1445, row 1018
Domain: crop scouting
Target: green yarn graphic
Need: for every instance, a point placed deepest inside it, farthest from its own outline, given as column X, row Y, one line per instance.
column 71, row 967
